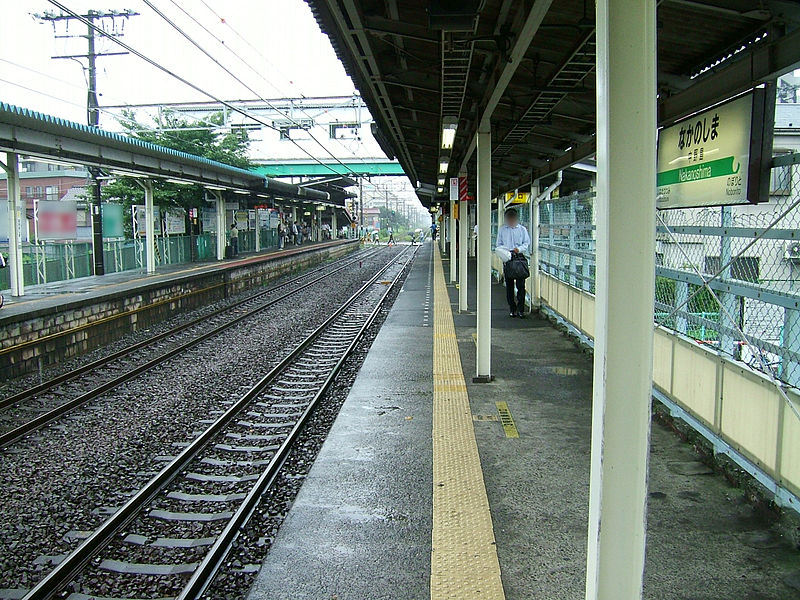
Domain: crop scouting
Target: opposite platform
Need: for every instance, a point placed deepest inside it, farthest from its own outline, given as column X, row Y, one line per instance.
column 68, row 318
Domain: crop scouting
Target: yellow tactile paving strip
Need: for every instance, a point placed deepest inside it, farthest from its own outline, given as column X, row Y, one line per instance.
column 464, row 561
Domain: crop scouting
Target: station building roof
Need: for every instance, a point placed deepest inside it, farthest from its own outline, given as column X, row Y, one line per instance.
column 421, row 63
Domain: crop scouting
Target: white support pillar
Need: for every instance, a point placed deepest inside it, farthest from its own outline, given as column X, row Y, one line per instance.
column 258, row 230
column 533, row 231
column 16, row 271
column 150, row 226
column 220, row 224
column 442, row 226
column 463, row 265
column 484, row 278
column 623, row 347
column 334, row 225
column 453, row 250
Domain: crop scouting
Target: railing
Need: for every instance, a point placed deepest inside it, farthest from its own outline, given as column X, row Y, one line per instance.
column 59, row 261
column 726, row 276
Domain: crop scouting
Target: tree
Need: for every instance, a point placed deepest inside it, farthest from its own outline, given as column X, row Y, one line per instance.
column 392, row 218
column 228, row 146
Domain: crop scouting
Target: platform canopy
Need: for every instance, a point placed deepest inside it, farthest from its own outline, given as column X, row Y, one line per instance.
column 424, row 66
column 46, row 137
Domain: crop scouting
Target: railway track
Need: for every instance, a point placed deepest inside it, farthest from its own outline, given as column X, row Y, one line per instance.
column 180, row 526
column 44, row 403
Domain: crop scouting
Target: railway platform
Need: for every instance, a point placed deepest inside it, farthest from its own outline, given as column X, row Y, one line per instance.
column 432, row 486
column 63, row 319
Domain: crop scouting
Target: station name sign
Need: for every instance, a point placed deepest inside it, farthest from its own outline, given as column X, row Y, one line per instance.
column 717, row 157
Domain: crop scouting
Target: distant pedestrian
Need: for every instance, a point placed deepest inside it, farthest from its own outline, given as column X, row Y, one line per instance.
column 3, row 265
column 391, row 237
column 234, row 240
column 281, row 234
column 295, row 234
column 512, row 243
column 434, row 228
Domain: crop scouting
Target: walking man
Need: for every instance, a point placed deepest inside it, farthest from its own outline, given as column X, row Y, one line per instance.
column 514, row 239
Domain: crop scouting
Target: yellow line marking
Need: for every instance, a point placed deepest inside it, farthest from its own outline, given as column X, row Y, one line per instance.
column 464, row 562
column 562, row 370
column 475, row 338
column 507, row 420
column 493, row 418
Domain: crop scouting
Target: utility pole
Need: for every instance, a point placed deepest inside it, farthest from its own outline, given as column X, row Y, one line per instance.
column 361, row 202
column 92, row 104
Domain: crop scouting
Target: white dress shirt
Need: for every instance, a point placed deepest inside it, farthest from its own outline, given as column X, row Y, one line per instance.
column 513, row 237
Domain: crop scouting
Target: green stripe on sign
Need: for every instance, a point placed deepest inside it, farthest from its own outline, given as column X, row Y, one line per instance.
column 716, row 168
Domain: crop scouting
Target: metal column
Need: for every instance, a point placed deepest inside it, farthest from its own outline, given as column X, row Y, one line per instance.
column 484, row 278
column 463, row 242
column 682, row 300
column 220, row 216
column 791, row 341
column 452, row 231
column 729, row 313
column 334, row 225
column 623, row 350
column 573, row 222
column 257, row 243
column 16, row 271
column 150, row 226
column 536, row 291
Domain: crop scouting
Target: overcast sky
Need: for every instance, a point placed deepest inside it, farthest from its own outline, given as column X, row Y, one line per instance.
column 290, row 54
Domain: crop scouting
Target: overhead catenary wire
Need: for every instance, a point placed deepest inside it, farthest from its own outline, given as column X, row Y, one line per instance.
column 246, row 41
column 197, row 45
column 188, row 83
column 232, row 107
column 239, row 57
column 107, row 111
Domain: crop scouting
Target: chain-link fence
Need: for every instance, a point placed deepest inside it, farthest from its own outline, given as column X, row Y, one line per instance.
column 729, row 277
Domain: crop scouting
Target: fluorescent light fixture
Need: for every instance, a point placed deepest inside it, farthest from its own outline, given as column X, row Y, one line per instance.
column 179, row 181
column 320, row 207
column 215, row 187
column 307, row 213
column 441, row 181
column 444, row 163
column 449, row 127
column 440, row 189
column 242, row 192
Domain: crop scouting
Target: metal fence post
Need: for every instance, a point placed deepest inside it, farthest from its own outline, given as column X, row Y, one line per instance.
column 681, row 296
column 727, row 343
column 791, row 342
column 573, row 206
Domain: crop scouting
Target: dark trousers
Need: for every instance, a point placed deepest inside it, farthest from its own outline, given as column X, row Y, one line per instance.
column 234, row 246
column 517, row 305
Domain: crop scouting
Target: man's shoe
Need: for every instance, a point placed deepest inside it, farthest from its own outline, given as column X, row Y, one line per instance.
column 512, row 314
column 521, row 314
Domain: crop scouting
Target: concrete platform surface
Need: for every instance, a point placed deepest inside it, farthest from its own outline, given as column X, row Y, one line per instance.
column 360, row 527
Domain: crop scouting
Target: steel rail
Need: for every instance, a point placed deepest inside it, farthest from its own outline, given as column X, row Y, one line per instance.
column 208, row 568
column 36, row 423
column 70, row 375
column 74, row 562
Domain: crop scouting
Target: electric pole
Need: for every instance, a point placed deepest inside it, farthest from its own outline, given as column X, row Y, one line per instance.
column 92, row 104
